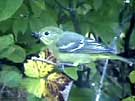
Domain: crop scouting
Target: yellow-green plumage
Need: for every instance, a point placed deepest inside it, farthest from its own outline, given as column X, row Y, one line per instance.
column 75, row 48
column 86, row 58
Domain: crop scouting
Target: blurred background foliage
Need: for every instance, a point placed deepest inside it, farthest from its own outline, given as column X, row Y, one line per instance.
column 104, row 18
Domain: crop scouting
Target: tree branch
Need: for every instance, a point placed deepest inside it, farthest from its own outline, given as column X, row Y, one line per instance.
column 72, row 13
column 74, row 18
column 128, row 34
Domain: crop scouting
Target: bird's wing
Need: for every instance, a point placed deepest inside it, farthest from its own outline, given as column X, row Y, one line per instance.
column 72, row 42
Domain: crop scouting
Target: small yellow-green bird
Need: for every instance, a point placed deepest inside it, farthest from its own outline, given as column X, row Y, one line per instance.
column 71, row 47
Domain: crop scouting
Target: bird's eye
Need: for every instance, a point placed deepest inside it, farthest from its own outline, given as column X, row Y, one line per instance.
column 46, row 33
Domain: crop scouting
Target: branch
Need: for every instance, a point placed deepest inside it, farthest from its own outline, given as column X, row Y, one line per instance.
column 128, row 34
column 131, row 53
column 127, row 51
column 72, row 13
column 101, row 83
column 74, row 18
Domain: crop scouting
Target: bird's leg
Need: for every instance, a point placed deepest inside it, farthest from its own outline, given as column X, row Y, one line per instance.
column 83, row 76
column 61, row 66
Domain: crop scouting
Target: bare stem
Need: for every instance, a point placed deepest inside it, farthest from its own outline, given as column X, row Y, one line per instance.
column 101, row 81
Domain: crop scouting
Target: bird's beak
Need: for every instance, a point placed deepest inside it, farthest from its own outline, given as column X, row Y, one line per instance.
column 36, row 35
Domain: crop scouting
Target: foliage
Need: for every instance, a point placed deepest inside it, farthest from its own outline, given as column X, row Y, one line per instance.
column 71, row 72
column 10, row 78
column 132, row 77
column 132, row 98
column 7, row 9
column 19, row 18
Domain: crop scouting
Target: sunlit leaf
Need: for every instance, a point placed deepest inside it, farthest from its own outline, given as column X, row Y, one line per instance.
column 36, row 87
column 71, row 72
column 131, row 98
column 132, row 77
column 132, row 41
column 37, row 69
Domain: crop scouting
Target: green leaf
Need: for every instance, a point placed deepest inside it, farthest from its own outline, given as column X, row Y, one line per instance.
column 20, row 25
column 34, row 86
column 68, row 26
column 71, row 72
column 35, row 24
column 81, row 94
column 6, row 52
column 131, row 98
column 10, row 78
column 45, row 19
column 5, row 25
column 97, row 4
column 35, row 7
column 40, row 4
column 6, row 41
column 105, row 29
column 132, row 41
column 14, row 53
column 132, row 77
column 93, row 69
column 35, row 48
column 113, row 91
column 22, row 12
column 18, row 54
column 48, row 18
column 9, row 68
column 31, row 97
column 84, row 9
column 8, row 8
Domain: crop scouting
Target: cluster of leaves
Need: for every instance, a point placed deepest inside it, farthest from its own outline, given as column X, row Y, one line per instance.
column 19, row 18
column 43, row 80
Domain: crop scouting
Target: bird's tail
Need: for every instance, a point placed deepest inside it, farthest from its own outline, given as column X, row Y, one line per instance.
column 115, row 57
column 112, row 57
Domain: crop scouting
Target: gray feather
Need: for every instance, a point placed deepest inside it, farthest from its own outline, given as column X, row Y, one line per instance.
column 72, row 42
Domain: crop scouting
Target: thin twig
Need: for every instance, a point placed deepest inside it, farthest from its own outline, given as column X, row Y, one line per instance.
column 74, row 18
column 101, row 81
column 43, row 60
column 128, row 34
column 3, row 87
column 50, row 62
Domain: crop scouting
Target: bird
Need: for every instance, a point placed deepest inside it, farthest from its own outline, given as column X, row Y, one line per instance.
column 72, row 47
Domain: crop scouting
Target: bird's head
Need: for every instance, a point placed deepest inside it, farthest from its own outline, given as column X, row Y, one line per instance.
column 48, row 35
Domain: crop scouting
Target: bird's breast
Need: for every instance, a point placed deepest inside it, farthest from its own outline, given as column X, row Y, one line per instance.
column 74, row 58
